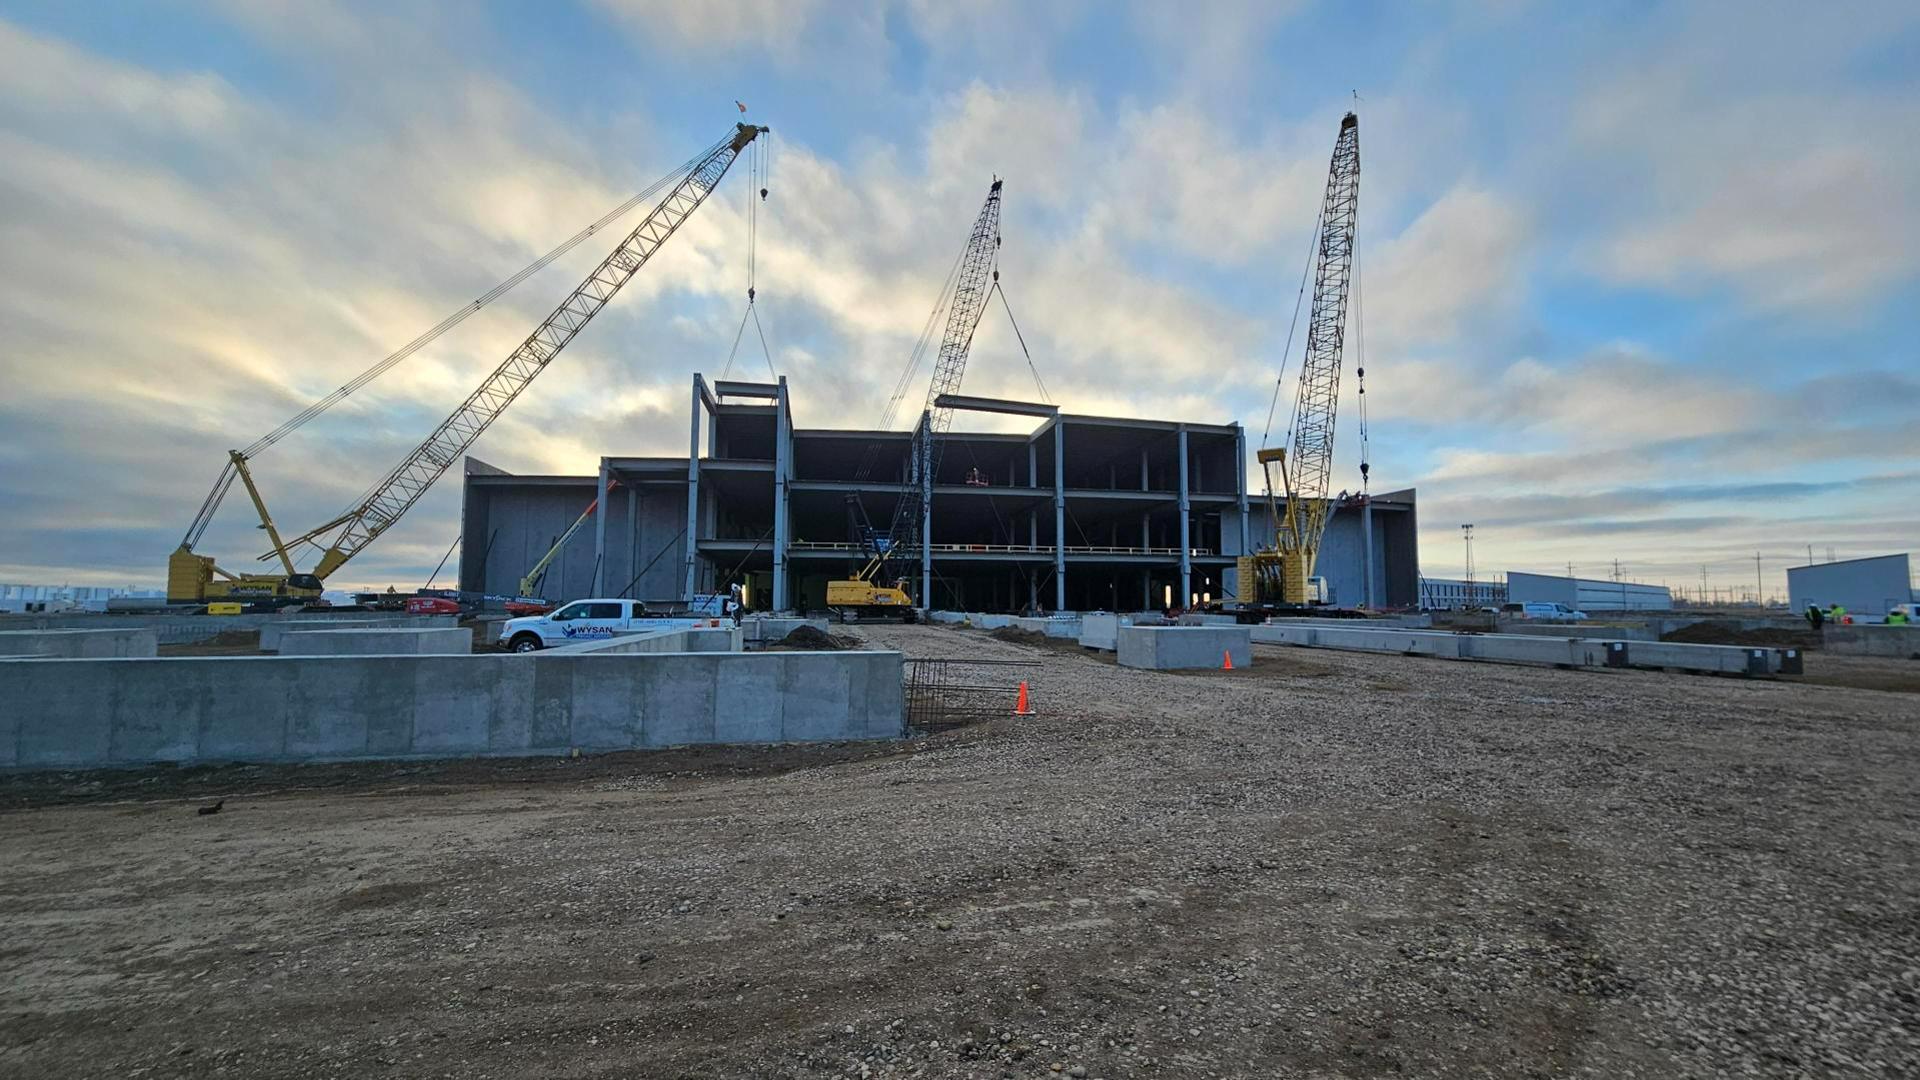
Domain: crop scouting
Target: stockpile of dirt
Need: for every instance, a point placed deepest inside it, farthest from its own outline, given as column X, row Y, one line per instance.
column 806, row 637
column 1726, row 633
column 1013, row 635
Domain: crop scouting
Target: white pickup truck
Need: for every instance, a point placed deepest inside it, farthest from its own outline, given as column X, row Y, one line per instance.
column 592, row 620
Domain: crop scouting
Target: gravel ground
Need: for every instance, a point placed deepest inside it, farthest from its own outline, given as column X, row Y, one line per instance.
column 1323, row 865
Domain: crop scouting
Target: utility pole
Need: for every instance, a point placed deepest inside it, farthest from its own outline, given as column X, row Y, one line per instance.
column 1703, row 584
column 1758, row 587
column 1569, row 570
column 1623, row 584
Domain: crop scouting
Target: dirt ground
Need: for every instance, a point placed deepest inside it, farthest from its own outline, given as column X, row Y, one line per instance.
column 1324, row 865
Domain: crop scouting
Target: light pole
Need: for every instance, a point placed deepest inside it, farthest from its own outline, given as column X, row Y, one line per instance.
column 1467, row 532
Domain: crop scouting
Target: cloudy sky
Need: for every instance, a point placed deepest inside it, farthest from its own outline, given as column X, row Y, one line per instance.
column 1639, row 281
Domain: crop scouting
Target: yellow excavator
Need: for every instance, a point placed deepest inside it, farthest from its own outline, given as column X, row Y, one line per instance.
column 1277, row 578
column 863, row 594
column 197, row 578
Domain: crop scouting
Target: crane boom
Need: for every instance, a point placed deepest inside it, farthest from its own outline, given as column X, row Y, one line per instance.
column 973, row 281
column 409, row 480
column 1306, row 463
column 978, row 271
column 190, row 576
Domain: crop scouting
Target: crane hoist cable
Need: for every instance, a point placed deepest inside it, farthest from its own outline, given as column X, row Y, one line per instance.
column 298, row 420
column 1022, row 339
column 757, row 170
column 1360, row 373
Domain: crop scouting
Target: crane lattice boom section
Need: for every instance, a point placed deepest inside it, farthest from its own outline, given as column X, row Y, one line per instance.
column 973, row 283
column 1309, row 466
column 408, row 481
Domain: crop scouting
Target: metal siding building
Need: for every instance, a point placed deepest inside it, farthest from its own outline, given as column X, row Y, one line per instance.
column 1454, row 594
column 1081, row 513
column 1863, row 586
column 1587, row 594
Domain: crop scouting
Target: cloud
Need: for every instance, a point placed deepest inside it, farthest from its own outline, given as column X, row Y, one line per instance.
column 1722, row 171
column 191, row 255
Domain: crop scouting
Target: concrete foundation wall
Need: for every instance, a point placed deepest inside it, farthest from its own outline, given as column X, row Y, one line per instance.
column 1172, row 648
column 270, row 631
column 698, row 639
column 760, row 630
column 1525, row 649
column 124, row 642
column 1053, row 627
column 97, row 713
column 1102, row 631
column 1902, row 642
column 379, row 641
column 1578, row 630
column 188, row 629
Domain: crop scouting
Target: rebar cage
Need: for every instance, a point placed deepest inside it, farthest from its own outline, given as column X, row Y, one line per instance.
column 949, row 693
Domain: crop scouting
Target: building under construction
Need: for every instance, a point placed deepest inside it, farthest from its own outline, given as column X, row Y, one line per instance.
column 1081, row 513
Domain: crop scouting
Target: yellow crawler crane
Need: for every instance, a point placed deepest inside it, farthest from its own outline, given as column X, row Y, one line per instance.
column 196, row 578
column 1278, row 576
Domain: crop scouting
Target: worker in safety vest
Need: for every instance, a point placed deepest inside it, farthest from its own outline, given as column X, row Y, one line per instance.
column 1897, row 617
column 1836, row 614
column 1815, row 616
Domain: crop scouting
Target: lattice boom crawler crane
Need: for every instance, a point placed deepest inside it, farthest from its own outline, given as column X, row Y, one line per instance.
column 863, row 593
column 1278, row 576
column 192, row 577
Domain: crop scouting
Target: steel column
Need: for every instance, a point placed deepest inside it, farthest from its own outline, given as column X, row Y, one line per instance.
column 693, row 492
column 1059, row 515
column 1366, row 547
column 782, row 473
column 600, row 509
column 633, row 535
column 1186, row 545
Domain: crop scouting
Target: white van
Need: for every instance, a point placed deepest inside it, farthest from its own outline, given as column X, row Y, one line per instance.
column 1541, row 609
column 591, row 620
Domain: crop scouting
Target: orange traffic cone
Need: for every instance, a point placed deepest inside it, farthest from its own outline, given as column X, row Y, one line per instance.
column 1020, row 708
column 1226, row 660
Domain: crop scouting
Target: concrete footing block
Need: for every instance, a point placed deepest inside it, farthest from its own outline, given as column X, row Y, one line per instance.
column 1172, row 648
column 81, row 644
column 410, row 641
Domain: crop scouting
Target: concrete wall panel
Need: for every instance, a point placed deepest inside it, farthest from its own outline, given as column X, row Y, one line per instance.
column 77, row 642
column 748, row 701
column 677, row 709
column 89, row 713
column 381, row 641
column 814, row 696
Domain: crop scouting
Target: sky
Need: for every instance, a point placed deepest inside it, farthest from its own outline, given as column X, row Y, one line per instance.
column 1637, row 281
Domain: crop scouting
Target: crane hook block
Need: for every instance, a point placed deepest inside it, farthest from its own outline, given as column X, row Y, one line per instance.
column 763, row 194
column 749, row 294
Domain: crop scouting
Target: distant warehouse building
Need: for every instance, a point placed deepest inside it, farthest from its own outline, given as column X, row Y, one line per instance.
column 1454, row 594
column 1078, row 513
column 1865, row 587
column 1587, row 594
